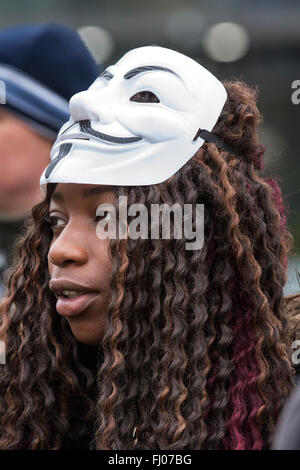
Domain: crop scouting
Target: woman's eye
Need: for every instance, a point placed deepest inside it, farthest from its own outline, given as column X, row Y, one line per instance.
column 145, row 97
column 55, row 221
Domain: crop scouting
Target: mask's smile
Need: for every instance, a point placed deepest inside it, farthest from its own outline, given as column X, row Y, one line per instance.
column 87, row 131
column 85, row 126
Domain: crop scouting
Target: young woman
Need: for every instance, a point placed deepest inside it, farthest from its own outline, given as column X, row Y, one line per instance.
column 123, row 343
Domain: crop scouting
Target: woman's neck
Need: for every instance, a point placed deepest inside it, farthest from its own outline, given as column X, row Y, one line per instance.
column 90, row 356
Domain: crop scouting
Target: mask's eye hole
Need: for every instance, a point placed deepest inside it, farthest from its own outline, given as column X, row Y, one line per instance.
column 145, row 97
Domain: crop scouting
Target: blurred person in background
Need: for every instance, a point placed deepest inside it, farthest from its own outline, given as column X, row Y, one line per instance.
column 42, row 66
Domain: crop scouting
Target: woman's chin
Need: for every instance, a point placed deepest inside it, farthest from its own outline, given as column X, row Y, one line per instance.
column 90, row 336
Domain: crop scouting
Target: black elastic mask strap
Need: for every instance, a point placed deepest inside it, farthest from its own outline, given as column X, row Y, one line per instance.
column 210, row 137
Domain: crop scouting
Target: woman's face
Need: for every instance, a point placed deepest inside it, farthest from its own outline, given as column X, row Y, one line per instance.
column 78, row 261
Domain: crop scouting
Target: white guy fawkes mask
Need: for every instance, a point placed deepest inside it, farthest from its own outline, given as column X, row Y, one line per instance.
column 137, row 121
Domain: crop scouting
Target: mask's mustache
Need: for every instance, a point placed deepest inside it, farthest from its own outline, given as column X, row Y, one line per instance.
column 85, row 126
column 85, row 130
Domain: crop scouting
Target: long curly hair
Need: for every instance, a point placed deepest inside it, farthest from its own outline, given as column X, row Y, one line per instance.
column 195, row 353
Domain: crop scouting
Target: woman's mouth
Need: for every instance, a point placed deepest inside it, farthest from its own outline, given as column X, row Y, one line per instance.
column 72, row 302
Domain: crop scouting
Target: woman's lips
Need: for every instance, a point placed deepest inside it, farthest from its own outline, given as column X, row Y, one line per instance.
column 73, row 306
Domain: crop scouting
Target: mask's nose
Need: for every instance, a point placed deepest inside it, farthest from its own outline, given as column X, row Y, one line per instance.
column 81, row 107
column 87, row 106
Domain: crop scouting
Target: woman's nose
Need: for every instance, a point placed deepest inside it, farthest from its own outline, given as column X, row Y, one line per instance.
column 91, row 105
column 68, row 248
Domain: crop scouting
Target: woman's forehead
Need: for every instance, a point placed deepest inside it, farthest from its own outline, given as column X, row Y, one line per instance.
column 63, row 190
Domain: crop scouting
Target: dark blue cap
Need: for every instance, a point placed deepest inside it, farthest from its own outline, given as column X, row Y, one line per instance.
column 42, row 67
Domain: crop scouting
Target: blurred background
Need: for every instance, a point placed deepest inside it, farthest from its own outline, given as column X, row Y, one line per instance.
column 257, row 41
